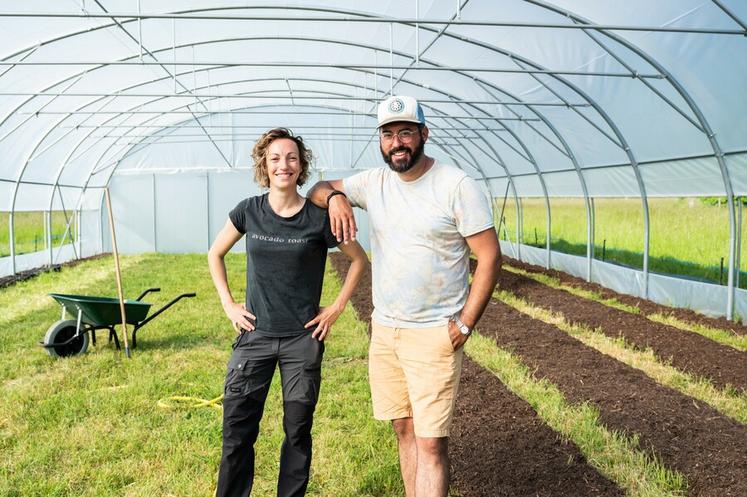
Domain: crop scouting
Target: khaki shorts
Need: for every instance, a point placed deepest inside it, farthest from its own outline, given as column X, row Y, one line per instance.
column 414, row 373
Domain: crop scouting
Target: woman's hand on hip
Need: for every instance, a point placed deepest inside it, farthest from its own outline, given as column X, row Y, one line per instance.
column 324, row 321
column 239, row 316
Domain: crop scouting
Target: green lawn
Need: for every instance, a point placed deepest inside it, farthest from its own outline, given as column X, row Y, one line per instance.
column 29, row 231
column 91, row 426
column 688, row 237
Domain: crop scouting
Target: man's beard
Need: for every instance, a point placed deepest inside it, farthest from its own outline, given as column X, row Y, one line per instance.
column 403, row 165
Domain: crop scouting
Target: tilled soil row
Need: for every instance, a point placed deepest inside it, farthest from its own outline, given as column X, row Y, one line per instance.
column 32, row 273
column 685, row 434
column 646, row 306
column 499, row 446
column 685, row 350
column 361, row 298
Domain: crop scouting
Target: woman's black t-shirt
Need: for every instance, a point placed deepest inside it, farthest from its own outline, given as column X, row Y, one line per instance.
column 285, row 259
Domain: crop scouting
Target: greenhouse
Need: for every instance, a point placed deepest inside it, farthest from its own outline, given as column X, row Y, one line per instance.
column 609, row 139
column 161, row 102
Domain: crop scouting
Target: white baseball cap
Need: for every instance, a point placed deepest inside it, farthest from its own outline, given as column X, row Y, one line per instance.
column 400, row 108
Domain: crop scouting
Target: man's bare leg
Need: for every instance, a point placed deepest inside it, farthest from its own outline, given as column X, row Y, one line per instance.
column 432, row 477
column 408, row 453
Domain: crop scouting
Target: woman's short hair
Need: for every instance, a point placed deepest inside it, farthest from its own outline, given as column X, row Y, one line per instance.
column 259, row 155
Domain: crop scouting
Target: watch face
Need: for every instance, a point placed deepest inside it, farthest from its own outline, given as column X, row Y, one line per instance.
column 463, row 329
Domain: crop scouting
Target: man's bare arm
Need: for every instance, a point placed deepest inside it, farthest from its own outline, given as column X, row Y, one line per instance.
column 341, row 218
column 320, row 191
column 487, row 251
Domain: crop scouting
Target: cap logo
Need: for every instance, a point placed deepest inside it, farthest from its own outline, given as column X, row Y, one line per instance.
column 396, row 106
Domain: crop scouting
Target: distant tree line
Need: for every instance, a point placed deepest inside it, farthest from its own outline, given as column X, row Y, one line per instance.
column 721, row 200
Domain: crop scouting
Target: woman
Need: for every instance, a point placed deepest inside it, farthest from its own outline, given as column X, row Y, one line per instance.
column 287, row 238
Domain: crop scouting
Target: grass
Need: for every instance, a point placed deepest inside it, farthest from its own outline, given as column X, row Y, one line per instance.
column 613, row 454
column 30, row 296
column 91, row 426
column 29, row 231
column 729, row 402
column 723, row 337
column 688, row 237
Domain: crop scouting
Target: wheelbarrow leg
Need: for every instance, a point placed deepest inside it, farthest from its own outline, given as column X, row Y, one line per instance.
column 78, row 324
column 80, row 319
column 113, row 335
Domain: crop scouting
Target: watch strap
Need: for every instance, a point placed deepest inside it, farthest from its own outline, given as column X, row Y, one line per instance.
column 463, row 328
column 333, row 193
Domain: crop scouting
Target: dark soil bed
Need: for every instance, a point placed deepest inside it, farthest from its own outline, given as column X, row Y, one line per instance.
column 499, row 446
column 361, row 298
column 685, row 350
column 709, row 448
column 684, row 433
column 646, row 306
column 32, row 273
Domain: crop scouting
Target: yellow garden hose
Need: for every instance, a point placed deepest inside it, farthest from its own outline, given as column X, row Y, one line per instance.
column 183, row 402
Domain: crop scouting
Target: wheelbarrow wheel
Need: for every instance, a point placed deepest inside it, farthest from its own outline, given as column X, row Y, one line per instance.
column 59, row 333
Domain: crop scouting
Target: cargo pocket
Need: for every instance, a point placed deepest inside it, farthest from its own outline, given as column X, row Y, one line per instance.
column 303, row 375
column 238, row 376
column 311, row 377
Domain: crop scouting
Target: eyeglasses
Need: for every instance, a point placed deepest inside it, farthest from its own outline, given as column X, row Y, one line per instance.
column 404, row 135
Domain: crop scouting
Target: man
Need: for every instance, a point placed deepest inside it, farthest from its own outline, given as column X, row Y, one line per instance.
column 425, row 218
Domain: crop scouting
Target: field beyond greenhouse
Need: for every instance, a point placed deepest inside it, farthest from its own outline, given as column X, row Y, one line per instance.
column 688, row 236
column 29, row 231
column 568, row 390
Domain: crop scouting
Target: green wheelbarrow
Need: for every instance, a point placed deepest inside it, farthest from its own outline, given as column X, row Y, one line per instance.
column 68, row 337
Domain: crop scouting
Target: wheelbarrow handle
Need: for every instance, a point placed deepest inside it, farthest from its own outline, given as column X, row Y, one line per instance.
column 147, row 292
column 154, row 315
column 159, row 311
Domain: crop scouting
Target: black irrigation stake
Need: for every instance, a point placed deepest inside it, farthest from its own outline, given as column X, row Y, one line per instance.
column 721, row 274
column 604, row 248
column 535, row 237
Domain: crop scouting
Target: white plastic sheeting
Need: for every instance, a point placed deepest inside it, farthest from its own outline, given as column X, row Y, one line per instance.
column 175, row 213
column 149, row 219
column 702, row 297
column 91, row 88
column 582, row 98
column 37, row 259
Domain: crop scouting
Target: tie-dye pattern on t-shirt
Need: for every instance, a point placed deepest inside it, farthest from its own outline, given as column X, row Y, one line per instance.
column 420, row 258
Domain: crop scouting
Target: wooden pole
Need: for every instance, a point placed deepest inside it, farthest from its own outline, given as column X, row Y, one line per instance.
column 119, row 275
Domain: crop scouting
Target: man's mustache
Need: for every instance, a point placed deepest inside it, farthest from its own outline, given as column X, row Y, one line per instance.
column 400, row 149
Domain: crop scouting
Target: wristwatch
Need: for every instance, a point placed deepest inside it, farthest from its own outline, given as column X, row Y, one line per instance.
column 463, row 328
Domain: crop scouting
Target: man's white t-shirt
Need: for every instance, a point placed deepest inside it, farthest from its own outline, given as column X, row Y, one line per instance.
column 417, row 231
